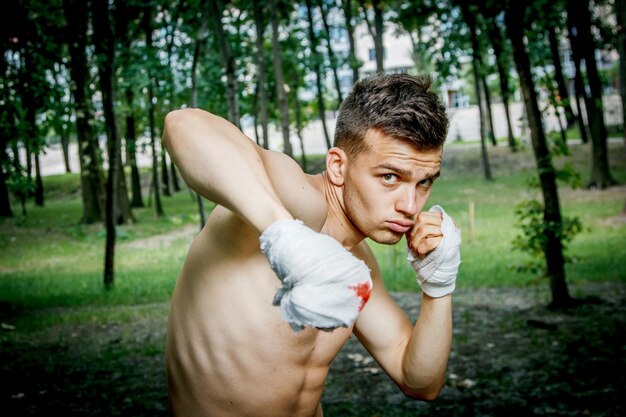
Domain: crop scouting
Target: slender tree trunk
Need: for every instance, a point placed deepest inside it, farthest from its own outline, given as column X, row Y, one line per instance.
column 502, row 66
column 317, row 64
column 92, row 184
column 156, row 188
column 578, row 16
column 39, row 197
column 376, row 32
column 105, row 49
column 579, row 91
column 620, row 15
column 564, row 100
column 5, row 200
column 331, row 54
column 216, row 9
column 491, row 133
column 131, row 149
column 259, row 23
column 469, row 18
column 298, row 114
column 483, row 128
column 352, row 59
column 193, row 101
column 553, row 249
column 283, row 103
column 378, row 39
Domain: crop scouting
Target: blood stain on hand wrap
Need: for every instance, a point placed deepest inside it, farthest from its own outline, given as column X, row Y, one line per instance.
column 323, row 284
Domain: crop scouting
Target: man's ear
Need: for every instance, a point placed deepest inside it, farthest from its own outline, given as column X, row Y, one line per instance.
column 336, row 164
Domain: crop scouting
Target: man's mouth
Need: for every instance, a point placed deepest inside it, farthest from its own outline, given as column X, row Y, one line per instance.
column 399, row 226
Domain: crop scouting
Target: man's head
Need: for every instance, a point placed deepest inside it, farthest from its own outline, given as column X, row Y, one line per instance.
column 397, row 105
column 388, row 144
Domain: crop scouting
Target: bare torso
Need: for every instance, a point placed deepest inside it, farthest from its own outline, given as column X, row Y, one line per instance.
column 228, row 351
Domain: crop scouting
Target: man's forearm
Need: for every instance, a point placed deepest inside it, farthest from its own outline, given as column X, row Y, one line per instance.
column 221, row 164
column 426, row 355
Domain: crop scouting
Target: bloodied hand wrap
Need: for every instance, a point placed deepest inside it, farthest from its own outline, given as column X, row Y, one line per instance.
column 323, row 284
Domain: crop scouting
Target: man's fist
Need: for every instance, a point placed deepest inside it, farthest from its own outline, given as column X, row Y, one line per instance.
column 324, row 285
column 434, row 252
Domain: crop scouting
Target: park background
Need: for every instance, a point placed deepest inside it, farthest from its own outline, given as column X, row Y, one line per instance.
column 89, row 257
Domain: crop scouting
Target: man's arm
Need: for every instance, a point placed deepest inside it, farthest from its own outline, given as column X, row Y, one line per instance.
column 415, row 357
column 220, row 163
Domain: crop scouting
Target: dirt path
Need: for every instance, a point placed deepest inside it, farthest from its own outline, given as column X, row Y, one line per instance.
column 510, row 356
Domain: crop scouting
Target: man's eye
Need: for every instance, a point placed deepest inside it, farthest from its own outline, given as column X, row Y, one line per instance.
column 426, row 182
column 390, row 179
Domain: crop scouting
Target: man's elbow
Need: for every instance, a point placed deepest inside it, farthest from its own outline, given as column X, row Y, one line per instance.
column 429, row 393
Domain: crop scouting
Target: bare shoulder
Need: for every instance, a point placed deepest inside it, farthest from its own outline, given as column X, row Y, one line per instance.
column 364, row 252
column 300, row 193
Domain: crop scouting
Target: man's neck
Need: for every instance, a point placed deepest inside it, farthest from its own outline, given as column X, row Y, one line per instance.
column 338, row 225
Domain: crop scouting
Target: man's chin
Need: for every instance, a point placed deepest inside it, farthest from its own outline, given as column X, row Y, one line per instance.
column 386, row 237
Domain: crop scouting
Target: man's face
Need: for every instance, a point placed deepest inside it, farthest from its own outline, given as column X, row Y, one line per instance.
column 387, row 186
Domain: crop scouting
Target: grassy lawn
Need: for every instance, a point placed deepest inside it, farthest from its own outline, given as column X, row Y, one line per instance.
column 48, row 259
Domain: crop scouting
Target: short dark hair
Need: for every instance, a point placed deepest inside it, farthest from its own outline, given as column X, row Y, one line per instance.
column 398, row 105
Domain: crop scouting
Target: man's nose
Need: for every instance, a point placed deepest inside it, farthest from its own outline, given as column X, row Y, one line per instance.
column 407, row 202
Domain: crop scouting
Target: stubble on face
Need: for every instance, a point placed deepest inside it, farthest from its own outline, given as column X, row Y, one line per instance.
column 368, row 204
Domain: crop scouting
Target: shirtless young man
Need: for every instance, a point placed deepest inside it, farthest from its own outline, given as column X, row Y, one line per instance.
column 230, row 352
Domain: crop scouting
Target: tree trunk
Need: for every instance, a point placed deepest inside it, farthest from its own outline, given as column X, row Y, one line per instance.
column 39, row 197
column 5, row 200
column 376, row 32
column 92, row 185
column 578, row 16
column 317, row 64
column 502, row 66
column 331, row 54
column 298, row 113
column 193, row 100
column 259, row 23
column 378, row 38
column 131, row 149
column 216, row 9
column 491, row 133
column 553, row 249
column 563, row 100
column 469, row 18
column 156, row 188
column 353, row 61
column 105, row 50
column 283, row 103
column 620, row 15
column 579, row 90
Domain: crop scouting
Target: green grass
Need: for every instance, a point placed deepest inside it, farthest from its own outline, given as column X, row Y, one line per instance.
column 48, row 259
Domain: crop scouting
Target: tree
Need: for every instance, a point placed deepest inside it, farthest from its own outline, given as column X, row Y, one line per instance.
column 105, row 50
column 147, row 26
column 283, row 101
column 502, row 55
column 216, row 11
column 376, row 30
column 92, row 185
column 469, row 16
column 553, row 249
column 352, row 59
column 620, row 15
column 317, row 66
column 579, row 21
column 331, row 54
column 261, row 99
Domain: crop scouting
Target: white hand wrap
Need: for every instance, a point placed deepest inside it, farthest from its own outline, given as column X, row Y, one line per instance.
column 436, row 272
column 324, row 285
